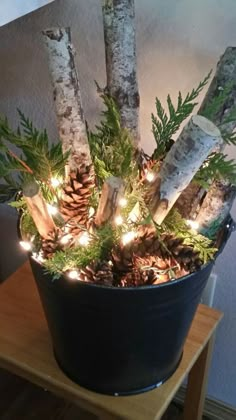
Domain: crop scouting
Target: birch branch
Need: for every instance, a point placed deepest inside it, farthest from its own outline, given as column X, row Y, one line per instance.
column 67, row 97
column 38, row 209
column 225, row 75
column 197, row 140
column 112, row 192
column 216, row 205
column 121, row 62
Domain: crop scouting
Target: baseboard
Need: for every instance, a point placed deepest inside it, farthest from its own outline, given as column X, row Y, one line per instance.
column 213, row 409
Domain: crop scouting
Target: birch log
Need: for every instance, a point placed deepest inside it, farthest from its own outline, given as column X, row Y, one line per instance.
column 108, row 208
column 225, row 76
column 216, row 205
column 121, row 62
column 70, row 116
column 197, row 140
column 38, row 209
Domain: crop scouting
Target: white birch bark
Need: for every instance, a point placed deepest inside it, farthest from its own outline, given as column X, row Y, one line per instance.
column 108, row 208
column 197, row 140
column 224, row 77
column 70, row 116
column 189, row 202
column 121, row 62
column 38, row 210
column 216, row 205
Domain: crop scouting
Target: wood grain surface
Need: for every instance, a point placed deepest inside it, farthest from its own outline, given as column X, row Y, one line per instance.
column 25, row 349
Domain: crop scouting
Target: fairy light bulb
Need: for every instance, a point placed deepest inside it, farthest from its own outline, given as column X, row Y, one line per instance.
column 193, row 224
column 65, row 239
column 55, row 182
column 150, row 176
column 52, row 209
column 118, row 220
column 27, row 246
column 84, row 239
column 128, row 237
column 73, row 275
column 123, row 202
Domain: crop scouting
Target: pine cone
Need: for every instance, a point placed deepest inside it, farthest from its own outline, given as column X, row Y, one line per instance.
column 100, row 273
column 74, row 205
column 51, row 245
column 148, row 250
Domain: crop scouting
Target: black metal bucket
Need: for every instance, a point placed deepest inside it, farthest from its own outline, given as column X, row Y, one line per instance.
column 119, row 340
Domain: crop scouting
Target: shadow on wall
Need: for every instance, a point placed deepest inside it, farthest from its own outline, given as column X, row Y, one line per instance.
column 11, row 255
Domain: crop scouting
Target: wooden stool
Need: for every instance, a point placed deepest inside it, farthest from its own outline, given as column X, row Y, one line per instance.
column 25, row 350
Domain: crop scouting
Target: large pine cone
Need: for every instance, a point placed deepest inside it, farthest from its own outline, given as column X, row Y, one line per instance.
column 74, row 205
column 150, row 250
column 98, row 272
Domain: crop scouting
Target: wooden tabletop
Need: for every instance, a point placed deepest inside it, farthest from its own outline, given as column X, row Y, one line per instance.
column 25, row 349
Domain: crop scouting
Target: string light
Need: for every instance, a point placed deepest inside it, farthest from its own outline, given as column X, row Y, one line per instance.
column 91, row 212
column 65, row 239
column 55, row 182
column 27, row 246
column 150, row 176
column 123, row 202
column 84, row 239
column 38, row 257
column 128, row 237
column 118, row 220
column 73, row 274
column 52, row 209
column 193, row 224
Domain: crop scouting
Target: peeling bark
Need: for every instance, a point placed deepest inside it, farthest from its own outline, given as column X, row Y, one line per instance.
column 216, row 205
column 197, row 140
column 112, row 192
column 67, row 97
column 121, row 62
column 38, row 210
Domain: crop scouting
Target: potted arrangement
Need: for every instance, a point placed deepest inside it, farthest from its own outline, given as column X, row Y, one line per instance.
column 121, row 244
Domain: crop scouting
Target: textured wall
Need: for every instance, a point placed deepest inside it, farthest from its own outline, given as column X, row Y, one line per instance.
column 178, row 42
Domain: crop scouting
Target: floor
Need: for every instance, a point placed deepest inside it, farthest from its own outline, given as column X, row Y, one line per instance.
column 20, row 400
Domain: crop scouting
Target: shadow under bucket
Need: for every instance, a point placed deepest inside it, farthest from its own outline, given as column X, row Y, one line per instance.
column 120, row 341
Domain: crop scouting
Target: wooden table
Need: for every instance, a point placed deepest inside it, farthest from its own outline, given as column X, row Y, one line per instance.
column 25, row 349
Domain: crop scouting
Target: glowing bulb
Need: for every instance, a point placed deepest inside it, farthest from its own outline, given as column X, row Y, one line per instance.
column 193, row 224
column 52, row 209
column 65, row 239
column 150, row 176
column 110, row 263
column 91, row 211
column 27, row 246
column 73, row 274
column 38, row 257
column 128, row 237
column 123, row 202
column 84, row 239
column 55, row 182
column 118, row 220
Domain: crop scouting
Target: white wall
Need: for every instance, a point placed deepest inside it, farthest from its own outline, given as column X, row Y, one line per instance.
column 178, row 42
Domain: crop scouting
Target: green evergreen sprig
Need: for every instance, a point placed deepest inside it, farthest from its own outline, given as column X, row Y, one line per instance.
column 216, row 167
column 174, row 223
column 111, row 146
column 35, row 157
column 79, row 257
column 164, row 125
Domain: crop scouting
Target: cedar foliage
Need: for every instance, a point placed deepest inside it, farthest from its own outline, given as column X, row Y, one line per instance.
column 35, row 157
column 164, row 125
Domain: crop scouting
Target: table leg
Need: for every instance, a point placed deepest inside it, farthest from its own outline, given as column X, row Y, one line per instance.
column 197, row 384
